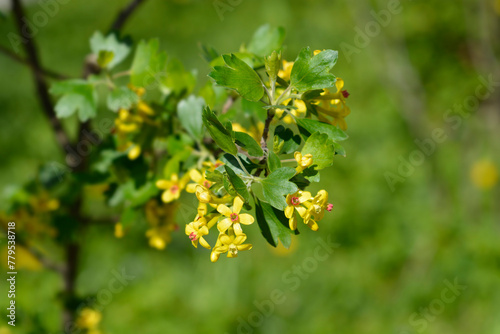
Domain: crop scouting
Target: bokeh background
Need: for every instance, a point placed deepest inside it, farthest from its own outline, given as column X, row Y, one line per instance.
column 396, row 245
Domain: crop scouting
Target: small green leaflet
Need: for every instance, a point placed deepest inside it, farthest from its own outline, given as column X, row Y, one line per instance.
column 109, row 50
column 266, row 39
column 238, row 184
column 273, row 161
column 249, row 144
column 322, row 149
column 291, row 140
column 313, row 72
column 277, row 185
column 273, row 224
column 77, row 96
column 308, row 126
column 218, row 132
column 190, row 112
column 239, row 76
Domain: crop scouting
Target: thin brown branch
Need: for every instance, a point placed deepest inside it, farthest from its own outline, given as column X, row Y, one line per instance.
column 48, row 73
column 265, row 133
column 124, row 15
column 39, row 78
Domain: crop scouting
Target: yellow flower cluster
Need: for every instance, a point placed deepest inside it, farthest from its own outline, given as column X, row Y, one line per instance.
column 160, row 216
column 129, row 123
column 228, row 220
column 310, row 209
column 331, row 106
column 89, row 320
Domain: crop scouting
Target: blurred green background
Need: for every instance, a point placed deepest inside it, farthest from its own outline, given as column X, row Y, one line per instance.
column 396, row 246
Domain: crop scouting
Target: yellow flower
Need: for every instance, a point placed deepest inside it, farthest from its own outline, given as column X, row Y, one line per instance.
column 134, row 152
column 300, row 112
column 229, row 243
column 303, row 161
column 127, row 122
column 144, row 108
column 197, row 229
column 332, row 104
column 88, row 318
column 316, row 209
column 212, row 166
column 204, row 195
column 286, row 71
column 161, row 218
column 119, row 230
column 199, row 178
column 159, row 237
column 233, row 217
column 294, row 203
column 172, row 187
column 484, row 174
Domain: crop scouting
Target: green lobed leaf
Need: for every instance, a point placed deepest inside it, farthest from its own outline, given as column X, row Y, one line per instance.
column 121, row 97
column 109, row 50
column 149, row 65
column 238, row 184
column 322, row 149
column 189, row 112
column 273, row 224
column 239, row 76
column 309, row 126
column 177, row 79
column 78, row 96
column 277, row 185
column 218, row 132
column 313, row 72
column 266, row 39
column 245, row 141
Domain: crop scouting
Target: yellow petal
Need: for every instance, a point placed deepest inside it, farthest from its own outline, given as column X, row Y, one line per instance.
column 301, row 210
column 134, row 152
column 237, row 229
column 214, row 256
column 305, row 196
column 246, row 219
column 163, row 184
column 297, row 156
column 289, row 211
column 224, row 225
column 204, row 243
column 240, row 239
column 225, row 240
column 195, row 175
column 339, row 84
column 312, row 225
column 167, row 196
column 237, row 204
column 244, row 247
column 203, row 230
column 191, row 188
column 224, row 210
column 189, row 229
column 293, row 223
